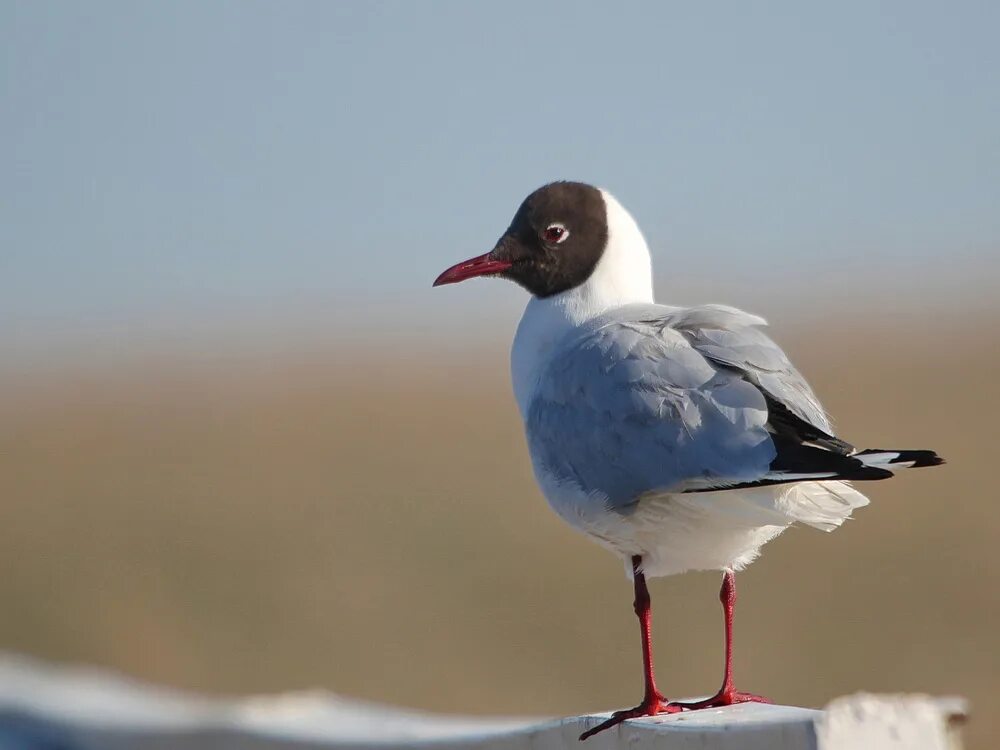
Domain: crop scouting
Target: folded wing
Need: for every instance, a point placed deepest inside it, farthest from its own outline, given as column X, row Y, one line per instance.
column 657, row 399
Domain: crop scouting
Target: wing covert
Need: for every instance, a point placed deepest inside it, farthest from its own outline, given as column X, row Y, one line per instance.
column 630, row 406
column 733, row 338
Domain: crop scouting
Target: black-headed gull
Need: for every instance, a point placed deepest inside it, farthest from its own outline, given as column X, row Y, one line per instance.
column 678, row 438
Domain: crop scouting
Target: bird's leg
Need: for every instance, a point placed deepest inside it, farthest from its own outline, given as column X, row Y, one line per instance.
column 726, row 696
column 652, row 702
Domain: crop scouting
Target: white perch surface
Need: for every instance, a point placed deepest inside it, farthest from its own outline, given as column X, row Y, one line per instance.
column 44, row 707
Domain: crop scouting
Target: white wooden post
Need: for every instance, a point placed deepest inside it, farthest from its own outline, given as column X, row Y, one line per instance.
column 59, row 708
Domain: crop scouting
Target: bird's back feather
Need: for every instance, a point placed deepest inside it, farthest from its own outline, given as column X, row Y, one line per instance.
column 654, row 399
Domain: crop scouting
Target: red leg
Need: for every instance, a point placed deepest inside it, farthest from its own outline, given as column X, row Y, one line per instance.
column 652, row 702
column 726, row 696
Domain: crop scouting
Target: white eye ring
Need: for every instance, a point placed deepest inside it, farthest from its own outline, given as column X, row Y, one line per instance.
column 555, row 233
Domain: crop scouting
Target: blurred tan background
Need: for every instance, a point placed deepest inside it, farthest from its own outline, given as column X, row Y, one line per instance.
column 256, row 524
column 244, row 446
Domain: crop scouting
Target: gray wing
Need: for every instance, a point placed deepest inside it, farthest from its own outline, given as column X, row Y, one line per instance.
column 664, row 399
column 733, row 338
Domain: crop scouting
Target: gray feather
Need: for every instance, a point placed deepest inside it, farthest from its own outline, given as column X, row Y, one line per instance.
column 650, row 398
column 732, row 338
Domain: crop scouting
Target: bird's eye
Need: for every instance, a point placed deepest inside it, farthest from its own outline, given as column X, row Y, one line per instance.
column 555, row 234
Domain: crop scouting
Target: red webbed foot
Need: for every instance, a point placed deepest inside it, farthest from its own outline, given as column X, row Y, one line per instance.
column 649, row 707
column 722, row 698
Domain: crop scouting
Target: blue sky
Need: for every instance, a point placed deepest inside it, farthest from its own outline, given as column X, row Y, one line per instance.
column 170, row 168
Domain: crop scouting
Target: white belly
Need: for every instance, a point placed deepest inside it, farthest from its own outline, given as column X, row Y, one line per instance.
column 674, row 533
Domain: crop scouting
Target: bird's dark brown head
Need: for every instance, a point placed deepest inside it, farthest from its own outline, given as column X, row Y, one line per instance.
column 553, row 244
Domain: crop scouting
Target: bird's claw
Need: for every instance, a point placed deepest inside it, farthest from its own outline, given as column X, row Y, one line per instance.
column 649, row 707
column 720, row 699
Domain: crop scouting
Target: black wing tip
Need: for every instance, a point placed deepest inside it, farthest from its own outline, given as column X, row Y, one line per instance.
column 867, row 473
column 860, row 473
column 916, row 459
column 925, row 458
column 849, row 469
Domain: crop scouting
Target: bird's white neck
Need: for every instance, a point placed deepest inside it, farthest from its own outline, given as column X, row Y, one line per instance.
column 622, row 276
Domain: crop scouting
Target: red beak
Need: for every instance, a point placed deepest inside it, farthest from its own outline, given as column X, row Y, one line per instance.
column 481, row 265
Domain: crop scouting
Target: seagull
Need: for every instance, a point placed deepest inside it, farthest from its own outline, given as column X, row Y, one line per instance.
column 679, row 438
